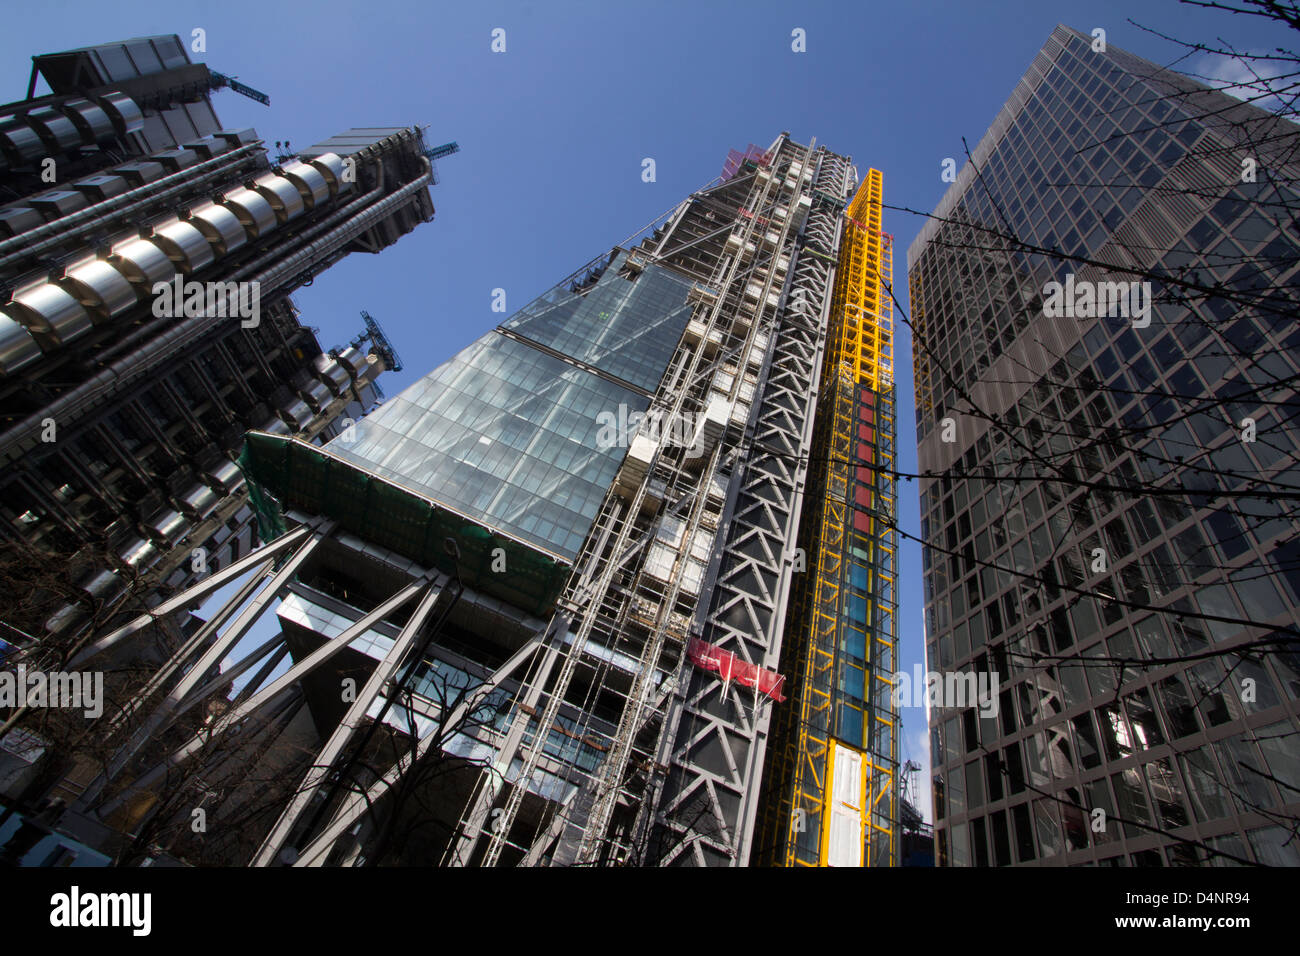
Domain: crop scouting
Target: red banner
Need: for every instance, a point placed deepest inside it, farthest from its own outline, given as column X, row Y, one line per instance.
column 732, row 668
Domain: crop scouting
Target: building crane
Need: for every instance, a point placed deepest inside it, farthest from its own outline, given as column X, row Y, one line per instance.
column 379, row 342
column 220, row 80
column 909, row 768
column 446, row 149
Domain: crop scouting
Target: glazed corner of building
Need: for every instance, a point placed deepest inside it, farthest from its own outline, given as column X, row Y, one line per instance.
column 1051, row 49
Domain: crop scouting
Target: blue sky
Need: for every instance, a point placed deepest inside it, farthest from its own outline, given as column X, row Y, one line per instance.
column 553, row 131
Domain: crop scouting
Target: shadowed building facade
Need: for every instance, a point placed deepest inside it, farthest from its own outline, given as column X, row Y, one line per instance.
column 1106, row 524
column 125, row 394
column 121, row 411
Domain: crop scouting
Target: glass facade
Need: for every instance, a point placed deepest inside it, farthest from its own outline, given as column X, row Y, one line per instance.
column 869, row 590
column 506, row 433
column 1099, row 706
column 627, row 329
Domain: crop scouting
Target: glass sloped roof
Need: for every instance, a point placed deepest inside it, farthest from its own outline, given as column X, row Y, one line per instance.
column 625, row 328
column 312, row 479
column 506, row 433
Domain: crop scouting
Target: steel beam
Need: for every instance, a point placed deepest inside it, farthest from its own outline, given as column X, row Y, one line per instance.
column 278, row 686
column 356, row 804
column 747, row 609
column 192, row 595
column 181, row 698
column 199, row 638
column 493, row 777
column 355, row 716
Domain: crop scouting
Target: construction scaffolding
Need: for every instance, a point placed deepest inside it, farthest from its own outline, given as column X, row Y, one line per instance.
column 832, row 790
column 679, row 543
column 631, row 689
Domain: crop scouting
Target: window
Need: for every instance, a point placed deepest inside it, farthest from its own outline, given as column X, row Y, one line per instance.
column 1179, row 712
column 1274, row 846
column 979, row 842
column 1131, row 801
column 1024, row 832
column 974, row 786
column 1208, row 798
column 1166, row 793
column 1085, row 736
column 1049, row 830
column 1142, row 718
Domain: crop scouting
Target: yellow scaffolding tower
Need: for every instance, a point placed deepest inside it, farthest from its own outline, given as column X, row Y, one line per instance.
column 838, row 773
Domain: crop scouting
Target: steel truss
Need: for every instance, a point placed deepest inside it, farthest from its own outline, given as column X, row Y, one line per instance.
column 717, row 752
column 205, row 666
column 765, row 273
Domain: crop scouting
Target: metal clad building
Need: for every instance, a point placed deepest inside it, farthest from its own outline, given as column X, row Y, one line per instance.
column 120, row 419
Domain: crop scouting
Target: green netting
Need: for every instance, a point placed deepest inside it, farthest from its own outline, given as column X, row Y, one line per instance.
column 270, row 521
column 308, row 478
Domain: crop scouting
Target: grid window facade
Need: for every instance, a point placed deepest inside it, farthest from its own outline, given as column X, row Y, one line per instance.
column 1103, row 703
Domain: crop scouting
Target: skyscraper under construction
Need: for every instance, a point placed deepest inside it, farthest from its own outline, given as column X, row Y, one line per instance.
column 541, row 605
column 832, row 781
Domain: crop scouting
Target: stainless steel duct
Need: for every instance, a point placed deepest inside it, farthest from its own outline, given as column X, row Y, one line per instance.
column 351, row 220
column 52, row 315
column 43, row 237
column 282, row 195
column 18, row 349
column 100, row 287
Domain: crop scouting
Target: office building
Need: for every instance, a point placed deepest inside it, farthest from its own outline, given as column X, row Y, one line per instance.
column 1108, row 450
column 147, row 255
column 123, row 406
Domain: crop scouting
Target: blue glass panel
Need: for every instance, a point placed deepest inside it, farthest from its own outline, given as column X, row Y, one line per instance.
column 855, row 643
column 504, row 434
column 850, row 725
column 852, row 681
column 625, row 326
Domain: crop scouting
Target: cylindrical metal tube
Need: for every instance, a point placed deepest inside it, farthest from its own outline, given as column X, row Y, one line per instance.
column 43, row 237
